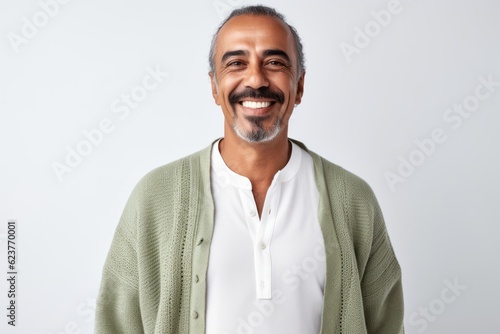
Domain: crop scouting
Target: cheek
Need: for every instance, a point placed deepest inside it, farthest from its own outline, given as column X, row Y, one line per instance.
column 224, row 94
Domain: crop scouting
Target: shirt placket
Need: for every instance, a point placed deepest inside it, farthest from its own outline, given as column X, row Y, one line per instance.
column 261, row 232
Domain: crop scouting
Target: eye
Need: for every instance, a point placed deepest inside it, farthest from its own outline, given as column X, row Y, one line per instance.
column 276, row 63
column 235, row 63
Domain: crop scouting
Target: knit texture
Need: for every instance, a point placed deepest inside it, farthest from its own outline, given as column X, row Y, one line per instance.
column 154, row 277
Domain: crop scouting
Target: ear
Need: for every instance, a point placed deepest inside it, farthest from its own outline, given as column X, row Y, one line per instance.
column 300, row 88
column 215, row 91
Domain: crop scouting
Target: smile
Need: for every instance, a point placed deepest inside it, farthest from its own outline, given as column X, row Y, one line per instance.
column 256, row 104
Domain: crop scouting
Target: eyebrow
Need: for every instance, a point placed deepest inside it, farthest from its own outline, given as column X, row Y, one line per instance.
column 270, row 52
column 277, row 52
column 230, row 54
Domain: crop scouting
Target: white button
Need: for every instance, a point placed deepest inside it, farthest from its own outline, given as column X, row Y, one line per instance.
column 262, row 245
column 223, row 178
column 252, row 213
column 269, row 211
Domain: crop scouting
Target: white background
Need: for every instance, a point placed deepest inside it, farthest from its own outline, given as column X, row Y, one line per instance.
column 362, row 112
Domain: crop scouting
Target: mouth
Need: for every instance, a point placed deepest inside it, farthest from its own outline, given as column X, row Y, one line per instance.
column 252, row 108
column 256, row 104
column 256, row 101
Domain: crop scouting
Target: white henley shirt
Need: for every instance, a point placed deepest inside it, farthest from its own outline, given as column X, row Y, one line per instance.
column 266, row 275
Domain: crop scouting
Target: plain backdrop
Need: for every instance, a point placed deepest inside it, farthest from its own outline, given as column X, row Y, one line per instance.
column 382, row 99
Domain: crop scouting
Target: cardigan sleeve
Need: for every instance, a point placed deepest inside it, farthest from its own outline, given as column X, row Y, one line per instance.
column 118, row 307
column 381, row 283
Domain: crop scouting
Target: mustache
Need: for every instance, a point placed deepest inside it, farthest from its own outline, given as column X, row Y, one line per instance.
column 260, row 93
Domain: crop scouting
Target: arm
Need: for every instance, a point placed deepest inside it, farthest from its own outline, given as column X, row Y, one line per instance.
column 381, row 284
column 118, row 308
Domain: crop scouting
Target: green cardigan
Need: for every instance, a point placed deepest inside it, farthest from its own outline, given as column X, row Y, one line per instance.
column 154, row 278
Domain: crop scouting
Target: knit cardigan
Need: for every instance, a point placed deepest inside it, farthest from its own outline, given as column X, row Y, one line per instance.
column 154, row 277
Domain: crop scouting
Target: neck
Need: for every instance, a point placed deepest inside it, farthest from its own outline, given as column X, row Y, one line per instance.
column 259, row 162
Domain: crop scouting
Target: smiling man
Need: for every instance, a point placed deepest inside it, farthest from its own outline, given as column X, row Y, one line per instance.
column 255, row 233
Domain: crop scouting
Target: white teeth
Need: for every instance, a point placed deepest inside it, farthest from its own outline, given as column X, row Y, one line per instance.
column 256, row 105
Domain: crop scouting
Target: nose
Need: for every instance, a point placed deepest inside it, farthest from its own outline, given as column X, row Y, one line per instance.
column 255, row 77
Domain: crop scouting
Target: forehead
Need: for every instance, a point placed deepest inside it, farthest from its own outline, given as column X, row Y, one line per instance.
column 255, row 32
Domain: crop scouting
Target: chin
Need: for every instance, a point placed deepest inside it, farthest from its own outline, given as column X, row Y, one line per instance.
column 258, row 134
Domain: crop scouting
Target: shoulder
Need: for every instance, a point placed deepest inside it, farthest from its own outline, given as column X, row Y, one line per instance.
column 167, row 180
column 351, row 202
column 341, row 179
column 336, row 179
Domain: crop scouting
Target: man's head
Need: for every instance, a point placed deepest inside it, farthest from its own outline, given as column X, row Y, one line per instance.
column 257, row 73
column 262, row 11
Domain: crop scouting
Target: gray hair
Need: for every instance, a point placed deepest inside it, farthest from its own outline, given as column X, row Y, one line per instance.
column 259, row 10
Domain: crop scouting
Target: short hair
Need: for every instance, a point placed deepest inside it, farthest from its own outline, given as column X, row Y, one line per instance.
column 259, row 10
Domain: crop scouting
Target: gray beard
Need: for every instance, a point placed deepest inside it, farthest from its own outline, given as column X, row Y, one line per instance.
column 259, row 134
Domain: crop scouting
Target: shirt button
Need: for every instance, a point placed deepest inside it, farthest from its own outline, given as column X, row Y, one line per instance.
column 196, row 279
column 262, row 245
column 224, row 179
column 200, row 241
column 195, row 314
column 252, row 213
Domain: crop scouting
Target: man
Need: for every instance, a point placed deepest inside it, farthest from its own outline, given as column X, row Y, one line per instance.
column 255, row 233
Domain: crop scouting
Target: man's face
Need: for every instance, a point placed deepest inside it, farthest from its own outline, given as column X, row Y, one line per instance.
column 256, row 81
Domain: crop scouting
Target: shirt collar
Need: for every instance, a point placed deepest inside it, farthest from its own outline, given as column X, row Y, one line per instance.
column 225, row 176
